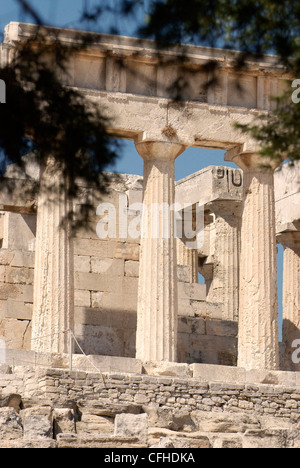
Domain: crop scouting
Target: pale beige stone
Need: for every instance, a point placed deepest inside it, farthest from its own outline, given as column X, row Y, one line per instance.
column 157, row 297
column 112, row 267
column 258, row 309
column 82, row 298
column 224, row 288
column 137, row 99
column 22, row 259
column 132, row 268
column 2, row 273
column 15, row 333
column 19, row 275
column 6, row 257
column 53, row 306
column 19, row 231
column 291, row 295
column 82, row 263
column 97, row 299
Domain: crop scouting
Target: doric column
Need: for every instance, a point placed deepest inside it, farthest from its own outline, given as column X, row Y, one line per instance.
column 53, row 308
column 157, row 298
column 291, row 295
column 258, row 309
column 224, row 288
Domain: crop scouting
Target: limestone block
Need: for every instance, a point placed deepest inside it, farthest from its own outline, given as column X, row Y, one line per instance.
column 206, row 309
column 10, row 400
column 183, row 273
column 10, row 424
column 128, row 252
column 18, row 310
column 132, row 268
column 185, row 309
column 131, row 425
column 169, row 418
column 20, row 231
column 225, row 442
column 95, row 247
column 167, row 369
column 5, row 370
column 287, row 187
column 272, row 377
column 94, row 424
column 2, row 273
column 198, row 292
column 112, row 267
column 95, row 78
column 211, row 373
column 27, row 293
column 265, row 439
column 221, row 328
column 6, row 256
column 225, row 423
column 64, row 421
column 37, row 427
column 97, row 300
column 97, row 442
column 10, row 291
column 16, row 333
column 19, row 275
column 22, row 259
column 124, row 301
column 17, row 292
column 184, row 291
column 180, row 439
column 191, row 325
column 100, row 340
column 105, row 283
column 221, row 350
column 164, row 443
column 29, row 444
column 83, row 298
column 82, row 263
column 211, row 183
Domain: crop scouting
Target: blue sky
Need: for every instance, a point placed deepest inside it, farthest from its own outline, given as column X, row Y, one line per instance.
column 66, row 13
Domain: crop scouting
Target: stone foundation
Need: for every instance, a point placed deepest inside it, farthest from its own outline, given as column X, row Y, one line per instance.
column 185, row 408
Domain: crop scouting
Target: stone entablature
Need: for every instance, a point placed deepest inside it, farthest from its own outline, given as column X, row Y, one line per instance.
column 130, row 78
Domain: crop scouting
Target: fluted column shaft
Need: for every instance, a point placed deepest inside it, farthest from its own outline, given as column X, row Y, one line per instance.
column 157, row 296
column 53, row 309
column 258, row 346
column 291, row 295
column 225, row 284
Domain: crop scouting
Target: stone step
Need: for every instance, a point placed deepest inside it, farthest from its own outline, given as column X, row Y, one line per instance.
column 96, row 441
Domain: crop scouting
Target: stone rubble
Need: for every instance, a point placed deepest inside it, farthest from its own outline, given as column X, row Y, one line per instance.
column 57, row 409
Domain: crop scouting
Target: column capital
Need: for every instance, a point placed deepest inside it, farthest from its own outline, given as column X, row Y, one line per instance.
column 289, row 239
column 159, row 150
column 251, row 161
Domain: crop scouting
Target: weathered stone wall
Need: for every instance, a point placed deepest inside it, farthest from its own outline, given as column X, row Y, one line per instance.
column 106, row 288
column 57, row 408
column 16, row 297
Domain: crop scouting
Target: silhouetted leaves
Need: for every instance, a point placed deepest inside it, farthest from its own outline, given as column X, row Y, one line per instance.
column 253, row 27
column 44, row 114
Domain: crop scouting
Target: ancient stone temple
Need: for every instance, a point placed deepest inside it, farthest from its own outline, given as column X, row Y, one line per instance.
column 182, row 364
